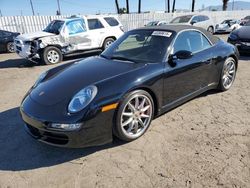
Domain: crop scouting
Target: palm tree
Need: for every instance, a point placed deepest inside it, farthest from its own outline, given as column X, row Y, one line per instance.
column 117, row 6
column 173, row 8
column 139, row 6
column 224, row 7
column 193, row 3
column 127, row 6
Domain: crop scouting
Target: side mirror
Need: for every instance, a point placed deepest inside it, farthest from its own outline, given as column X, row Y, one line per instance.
column 183, row 54
column 193, row 22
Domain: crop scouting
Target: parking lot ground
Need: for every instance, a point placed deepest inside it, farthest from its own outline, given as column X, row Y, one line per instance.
column 202, row 143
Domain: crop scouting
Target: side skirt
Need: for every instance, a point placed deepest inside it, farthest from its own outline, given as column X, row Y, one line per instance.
column 186, row 98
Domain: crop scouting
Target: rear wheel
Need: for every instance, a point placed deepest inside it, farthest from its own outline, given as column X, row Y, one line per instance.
column 107, row 43
column 51, row 55
column 228, row 74
column 10, row 47
column 210, row 29
column 134, row 115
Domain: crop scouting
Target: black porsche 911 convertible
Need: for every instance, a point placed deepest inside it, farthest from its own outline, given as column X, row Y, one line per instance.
column 145, row 73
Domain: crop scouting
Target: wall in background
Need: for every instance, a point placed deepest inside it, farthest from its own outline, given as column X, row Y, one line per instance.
column 27, row 24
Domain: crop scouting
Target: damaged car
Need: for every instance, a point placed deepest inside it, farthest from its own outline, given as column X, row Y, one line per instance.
column 69, row 36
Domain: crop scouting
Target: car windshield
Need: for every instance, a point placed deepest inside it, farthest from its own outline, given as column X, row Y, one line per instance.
column 226, row 21
column 247, row 17
column 54, row 27
column 152, row 23
column 181, row 19
column 140, row 46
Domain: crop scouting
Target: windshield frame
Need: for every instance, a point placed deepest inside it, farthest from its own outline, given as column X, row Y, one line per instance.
column 110, row 52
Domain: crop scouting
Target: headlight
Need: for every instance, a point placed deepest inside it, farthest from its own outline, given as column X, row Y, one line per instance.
column 82, row 99
column 40, row 78
column 233, row 36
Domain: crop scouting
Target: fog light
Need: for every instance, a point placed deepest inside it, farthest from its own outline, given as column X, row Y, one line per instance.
column 66, row 127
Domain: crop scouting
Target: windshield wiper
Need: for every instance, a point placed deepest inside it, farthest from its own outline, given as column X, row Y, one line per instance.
column 122, row 58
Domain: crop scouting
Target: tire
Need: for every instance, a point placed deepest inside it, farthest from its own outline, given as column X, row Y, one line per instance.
column 228, row 74
column 107, row 43
column 134, row 115
column 51, row 55
column 10, row 47
column 210, row 29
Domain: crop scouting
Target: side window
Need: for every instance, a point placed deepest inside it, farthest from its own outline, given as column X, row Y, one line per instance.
column 94, row 24
column 76, row 26
column 196, row 19
column 192, row 41
column 111, row 21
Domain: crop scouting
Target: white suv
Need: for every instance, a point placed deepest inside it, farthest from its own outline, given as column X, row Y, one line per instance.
column 202, row 21
column 69, row 36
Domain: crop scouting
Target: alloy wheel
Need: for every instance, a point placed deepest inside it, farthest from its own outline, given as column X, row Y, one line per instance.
column 108, row 43
column 229, row 71
column 136, row 116
column 10, row 47
column 53, row 56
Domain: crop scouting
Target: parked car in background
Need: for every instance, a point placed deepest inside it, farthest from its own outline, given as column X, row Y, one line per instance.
column 202, row 21
column 155, row 23
column 241, row 38
column 227, row 26
column 245, row 20
column 145, row 73
column 69, row 36
column 7, row 41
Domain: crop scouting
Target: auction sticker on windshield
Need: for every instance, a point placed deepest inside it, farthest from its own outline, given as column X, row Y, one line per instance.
column 162, row 33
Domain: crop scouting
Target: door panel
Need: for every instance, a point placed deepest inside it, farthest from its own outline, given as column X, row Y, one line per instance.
column 188, row 75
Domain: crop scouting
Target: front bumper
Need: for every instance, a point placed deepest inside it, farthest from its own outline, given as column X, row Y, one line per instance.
column 24, row 50
column 94, row 131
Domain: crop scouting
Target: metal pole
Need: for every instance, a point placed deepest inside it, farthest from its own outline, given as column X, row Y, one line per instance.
column 173, row 8
column 1, row 13
column 59, row 9
column 31, row 4
column 233, row 5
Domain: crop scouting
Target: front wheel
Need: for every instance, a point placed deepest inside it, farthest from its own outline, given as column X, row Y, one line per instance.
column 210, row 29
column 134, row 115
column 10, row 47
column 51, row 55
column 228, row 74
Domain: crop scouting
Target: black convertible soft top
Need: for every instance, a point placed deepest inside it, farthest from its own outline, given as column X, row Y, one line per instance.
column 178, row 28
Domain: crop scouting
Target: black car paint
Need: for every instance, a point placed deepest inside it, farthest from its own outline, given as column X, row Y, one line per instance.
column 5, row 38
column 243, row 36
column 169, row 86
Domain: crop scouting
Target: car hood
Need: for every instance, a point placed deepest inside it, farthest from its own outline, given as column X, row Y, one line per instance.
column 243, row 32
column 32, row 36
column 63, row 82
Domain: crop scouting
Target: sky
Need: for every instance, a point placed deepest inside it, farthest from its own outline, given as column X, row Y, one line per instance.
column 49, row 7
